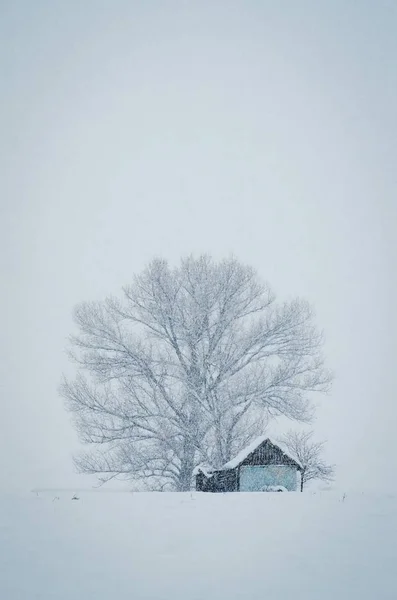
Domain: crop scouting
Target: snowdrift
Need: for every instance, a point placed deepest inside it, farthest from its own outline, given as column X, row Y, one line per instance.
column 121, row 546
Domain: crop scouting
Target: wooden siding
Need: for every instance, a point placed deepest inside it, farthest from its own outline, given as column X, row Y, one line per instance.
column 220, row 481
column 268, row 454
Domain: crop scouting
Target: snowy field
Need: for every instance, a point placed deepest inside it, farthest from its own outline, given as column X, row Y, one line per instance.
column 118, row 546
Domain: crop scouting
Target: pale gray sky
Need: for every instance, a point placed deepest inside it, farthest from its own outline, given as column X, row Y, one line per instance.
column 261, row 128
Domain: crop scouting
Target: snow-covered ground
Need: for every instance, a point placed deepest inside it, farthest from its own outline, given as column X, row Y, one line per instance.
column 118, row 546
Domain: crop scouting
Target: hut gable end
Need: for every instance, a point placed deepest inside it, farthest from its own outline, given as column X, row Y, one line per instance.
column 267, row 454
column 264, row 452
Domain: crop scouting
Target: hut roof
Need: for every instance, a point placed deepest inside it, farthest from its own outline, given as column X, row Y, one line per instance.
column 204, row 469
column 245, row 453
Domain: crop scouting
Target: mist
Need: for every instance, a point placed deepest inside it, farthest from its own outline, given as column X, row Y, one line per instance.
column 263, row 130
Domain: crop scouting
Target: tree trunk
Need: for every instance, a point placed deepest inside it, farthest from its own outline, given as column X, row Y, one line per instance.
column 219, row 448
column 302, row 482
column 187, row 466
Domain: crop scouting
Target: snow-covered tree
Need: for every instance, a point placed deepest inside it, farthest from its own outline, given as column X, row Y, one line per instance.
column 186, row 367
column 301, row 447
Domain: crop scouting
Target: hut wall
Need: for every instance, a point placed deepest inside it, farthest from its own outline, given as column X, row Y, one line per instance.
column 225, row 481
column 257, row 478
column 204, row 484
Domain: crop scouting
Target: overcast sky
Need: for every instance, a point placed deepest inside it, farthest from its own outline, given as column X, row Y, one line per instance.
column 266, row 129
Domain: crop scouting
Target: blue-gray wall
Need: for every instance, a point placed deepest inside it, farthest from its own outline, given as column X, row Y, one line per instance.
column 255, row 478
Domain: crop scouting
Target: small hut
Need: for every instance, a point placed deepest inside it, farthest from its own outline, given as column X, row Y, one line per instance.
column 262, row 466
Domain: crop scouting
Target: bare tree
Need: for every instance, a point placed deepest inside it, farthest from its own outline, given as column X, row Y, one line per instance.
column 301, row 447
column 185, row 367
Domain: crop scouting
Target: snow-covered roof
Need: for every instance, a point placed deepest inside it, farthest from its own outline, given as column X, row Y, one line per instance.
column 232, row 464
column 205, row 470
column 241, row 456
